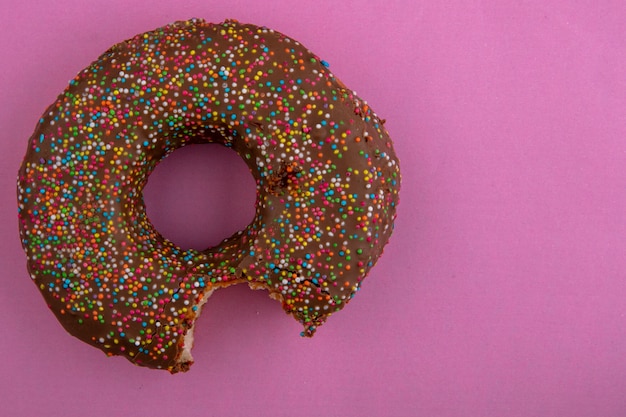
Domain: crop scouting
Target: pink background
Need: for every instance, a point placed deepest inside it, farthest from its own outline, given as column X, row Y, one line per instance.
column 503, row 290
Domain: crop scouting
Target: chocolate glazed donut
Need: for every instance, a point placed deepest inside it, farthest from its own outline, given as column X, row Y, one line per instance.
column 326, row 173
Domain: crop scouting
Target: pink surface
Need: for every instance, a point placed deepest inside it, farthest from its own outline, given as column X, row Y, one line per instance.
column 503, row 290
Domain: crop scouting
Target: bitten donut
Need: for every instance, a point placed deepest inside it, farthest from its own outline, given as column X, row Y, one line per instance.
column 326, row 174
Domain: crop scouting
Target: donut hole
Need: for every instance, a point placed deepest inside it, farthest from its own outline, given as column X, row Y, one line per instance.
column 200, row 195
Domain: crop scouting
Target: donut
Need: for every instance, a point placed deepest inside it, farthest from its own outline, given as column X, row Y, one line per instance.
column 327, row 181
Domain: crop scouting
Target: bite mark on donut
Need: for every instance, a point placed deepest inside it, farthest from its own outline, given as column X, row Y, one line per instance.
column 185, row 359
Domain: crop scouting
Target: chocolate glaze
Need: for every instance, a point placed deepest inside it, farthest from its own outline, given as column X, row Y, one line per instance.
column 326, row 173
